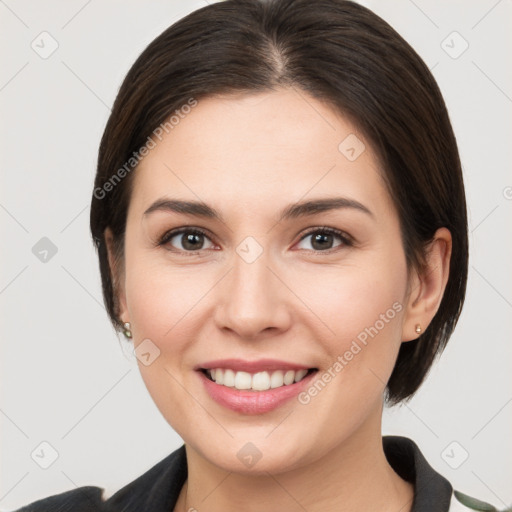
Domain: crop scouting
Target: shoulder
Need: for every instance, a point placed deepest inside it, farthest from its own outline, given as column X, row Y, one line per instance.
column 82, row 499
column 157, row 489
column 432, row 491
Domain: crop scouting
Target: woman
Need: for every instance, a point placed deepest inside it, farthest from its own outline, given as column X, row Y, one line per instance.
column 280, row 220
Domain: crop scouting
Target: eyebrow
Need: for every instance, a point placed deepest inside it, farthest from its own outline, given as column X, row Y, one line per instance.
column 293, row 211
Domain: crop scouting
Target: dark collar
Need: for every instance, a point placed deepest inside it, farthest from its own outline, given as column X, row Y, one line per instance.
column 432, row 491
column 158, row 489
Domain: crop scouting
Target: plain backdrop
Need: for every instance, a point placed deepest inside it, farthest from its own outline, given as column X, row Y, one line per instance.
column 67, row 380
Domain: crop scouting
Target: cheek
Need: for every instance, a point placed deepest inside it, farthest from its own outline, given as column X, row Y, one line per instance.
column 161, row 300
column 347, row 301
column 163, row 306
column 360, row 310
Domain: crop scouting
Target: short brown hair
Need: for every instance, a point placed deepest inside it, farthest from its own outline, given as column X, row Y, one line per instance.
column 340, row 53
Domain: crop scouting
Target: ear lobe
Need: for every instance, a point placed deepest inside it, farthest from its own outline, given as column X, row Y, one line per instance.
column 427, row 288
column 115, row 276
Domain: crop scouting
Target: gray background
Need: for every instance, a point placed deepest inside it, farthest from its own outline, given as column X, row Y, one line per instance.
column 68, row 381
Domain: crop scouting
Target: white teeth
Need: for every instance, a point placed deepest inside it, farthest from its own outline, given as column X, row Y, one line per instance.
column 260, row 381
column 276, row 380
column 229, row 378
column 289, row 377
column 300, row 374
column 243, row 380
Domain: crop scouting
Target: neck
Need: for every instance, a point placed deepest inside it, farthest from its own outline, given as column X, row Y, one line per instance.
column 353, row 476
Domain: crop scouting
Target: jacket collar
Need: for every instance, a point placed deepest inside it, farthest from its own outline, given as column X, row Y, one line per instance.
column 432, row 491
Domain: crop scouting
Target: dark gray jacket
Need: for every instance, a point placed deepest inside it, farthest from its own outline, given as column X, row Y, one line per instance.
column 158, row 489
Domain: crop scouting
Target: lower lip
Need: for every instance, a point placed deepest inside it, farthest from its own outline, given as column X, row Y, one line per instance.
column 253, row 402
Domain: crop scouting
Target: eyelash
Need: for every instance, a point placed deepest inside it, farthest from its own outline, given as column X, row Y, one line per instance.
column 347, row 241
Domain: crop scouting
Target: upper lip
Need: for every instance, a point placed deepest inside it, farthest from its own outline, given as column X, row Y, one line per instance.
column 251, row 366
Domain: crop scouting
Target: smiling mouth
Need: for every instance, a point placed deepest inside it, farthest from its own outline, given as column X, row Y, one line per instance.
column 259, row 381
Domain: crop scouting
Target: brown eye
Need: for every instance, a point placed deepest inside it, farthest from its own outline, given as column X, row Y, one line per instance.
column 187, row 240
column 322, row 239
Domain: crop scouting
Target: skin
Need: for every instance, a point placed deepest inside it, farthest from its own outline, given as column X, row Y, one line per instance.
column 249, row 157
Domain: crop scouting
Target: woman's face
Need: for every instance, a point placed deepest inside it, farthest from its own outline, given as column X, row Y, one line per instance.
column 261, row 286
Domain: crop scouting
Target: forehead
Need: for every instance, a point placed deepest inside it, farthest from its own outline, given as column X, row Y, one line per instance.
column 265, row 148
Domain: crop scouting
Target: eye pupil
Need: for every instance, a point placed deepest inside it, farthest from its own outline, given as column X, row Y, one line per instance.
column 319, row 237
column 188, row 241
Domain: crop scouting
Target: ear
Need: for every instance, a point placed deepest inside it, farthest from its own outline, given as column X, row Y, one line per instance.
column 116, row 276
column 426, row 289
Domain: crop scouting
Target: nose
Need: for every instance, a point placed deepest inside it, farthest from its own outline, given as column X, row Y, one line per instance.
column 252, row 300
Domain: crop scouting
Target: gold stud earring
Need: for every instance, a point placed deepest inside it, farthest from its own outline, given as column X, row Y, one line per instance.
column 418, row 328
column 127, row 332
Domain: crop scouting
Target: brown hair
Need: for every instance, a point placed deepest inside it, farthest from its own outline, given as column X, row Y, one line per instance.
column 340, row 53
